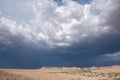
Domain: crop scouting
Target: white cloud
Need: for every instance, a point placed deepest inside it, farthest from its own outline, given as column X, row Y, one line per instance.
column 19, row 10
column 63, row 25
column 9, row 33
column 111, row 57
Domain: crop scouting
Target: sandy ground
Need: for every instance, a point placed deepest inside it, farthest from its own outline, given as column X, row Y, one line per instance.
column 54, row 73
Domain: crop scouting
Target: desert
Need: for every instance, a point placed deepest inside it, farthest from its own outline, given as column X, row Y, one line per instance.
column 62, row 73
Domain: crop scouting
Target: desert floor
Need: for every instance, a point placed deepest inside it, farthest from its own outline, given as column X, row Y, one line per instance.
column 55, row 73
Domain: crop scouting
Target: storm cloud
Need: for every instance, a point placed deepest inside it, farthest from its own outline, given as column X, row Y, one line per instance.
column 71, row 31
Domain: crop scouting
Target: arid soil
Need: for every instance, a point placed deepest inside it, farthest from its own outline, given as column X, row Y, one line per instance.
column 65, row 73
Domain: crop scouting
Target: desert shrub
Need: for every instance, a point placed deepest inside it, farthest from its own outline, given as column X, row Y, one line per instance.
column 79, row 79
column 116, row 79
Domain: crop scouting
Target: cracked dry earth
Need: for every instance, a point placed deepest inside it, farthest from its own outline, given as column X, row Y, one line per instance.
column 54, row 73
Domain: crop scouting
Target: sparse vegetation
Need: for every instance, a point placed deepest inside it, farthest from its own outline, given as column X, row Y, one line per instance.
column 106, row 73
column 117, row 79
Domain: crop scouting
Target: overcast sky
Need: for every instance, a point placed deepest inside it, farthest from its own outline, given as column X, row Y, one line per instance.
column 81, row 33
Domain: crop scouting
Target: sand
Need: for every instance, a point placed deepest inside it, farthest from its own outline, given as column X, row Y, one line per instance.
column 64, row 73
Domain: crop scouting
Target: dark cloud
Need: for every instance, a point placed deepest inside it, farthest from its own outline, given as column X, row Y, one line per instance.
column 113, row 17
column 80, row 55
column 59, row 36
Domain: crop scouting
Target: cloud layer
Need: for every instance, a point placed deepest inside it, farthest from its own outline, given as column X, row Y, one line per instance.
column 64, row 25
column 111, row 57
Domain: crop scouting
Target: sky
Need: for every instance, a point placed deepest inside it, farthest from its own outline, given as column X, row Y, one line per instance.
column 57, row 33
